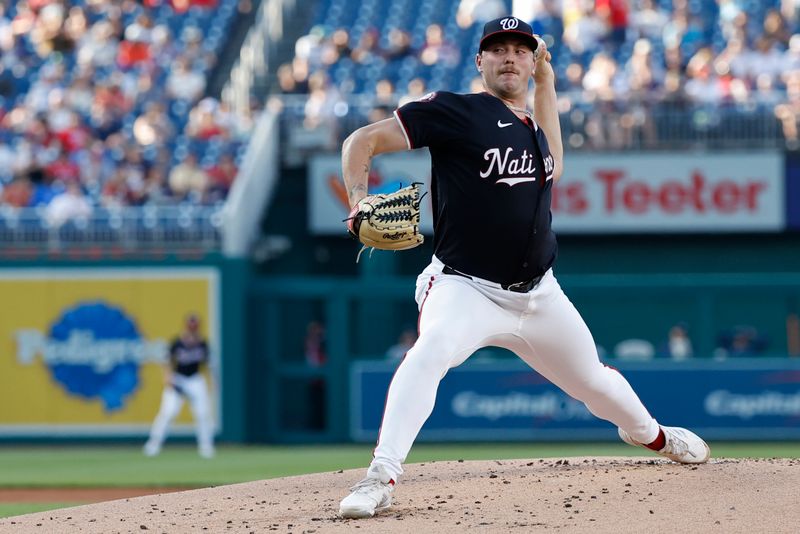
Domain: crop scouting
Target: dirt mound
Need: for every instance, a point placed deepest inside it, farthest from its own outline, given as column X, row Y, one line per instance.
column 594, row 495
column 77, row 495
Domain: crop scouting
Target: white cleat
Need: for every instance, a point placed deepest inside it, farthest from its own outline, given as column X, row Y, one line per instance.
column 682, row 446
column 371, row 495
column 151, row 449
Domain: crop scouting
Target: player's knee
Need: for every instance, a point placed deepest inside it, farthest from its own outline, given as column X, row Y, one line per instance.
column 430, row 355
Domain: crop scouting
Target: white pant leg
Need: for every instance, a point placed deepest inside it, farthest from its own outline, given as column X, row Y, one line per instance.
column 171, row 404
column 197, row 392
column 561, row 348
column 456, row 319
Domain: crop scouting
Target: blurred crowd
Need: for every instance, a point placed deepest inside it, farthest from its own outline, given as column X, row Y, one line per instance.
column 619, row 63
column 102, row 103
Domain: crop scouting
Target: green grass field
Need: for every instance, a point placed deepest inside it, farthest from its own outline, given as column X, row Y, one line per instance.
column 179, row 465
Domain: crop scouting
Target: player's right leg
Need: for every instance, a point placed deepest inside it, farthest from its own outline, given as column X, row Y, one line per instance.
column 171, row 403
column 562, row 349
column 455, row 320
column 197, row 392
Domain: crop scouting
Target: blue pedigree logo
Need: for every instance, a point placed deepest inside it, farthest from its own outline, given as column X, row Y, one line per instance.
column 94, row 351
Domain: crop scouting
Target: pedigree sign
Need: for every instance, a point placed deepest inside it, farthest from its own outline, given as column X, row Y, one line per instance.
column 670, row 192
column 82, row 349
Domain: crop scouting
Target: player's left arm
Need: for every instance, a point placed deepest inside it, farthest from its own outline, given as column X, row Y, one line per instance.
column 545, row 110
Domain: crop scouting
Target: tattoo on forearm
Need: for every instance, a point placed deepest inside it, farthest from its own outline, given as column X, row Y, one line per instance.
column 359, row 188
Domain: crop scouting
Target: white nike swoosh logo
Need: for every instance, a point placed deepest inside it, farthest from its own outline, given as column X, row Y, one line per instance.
column 514, row 181
column 501, row 124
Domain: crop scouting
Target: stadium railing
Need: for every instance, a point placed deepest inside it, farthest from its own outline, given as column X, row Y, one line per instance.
column 656, row 127
column 24, row 231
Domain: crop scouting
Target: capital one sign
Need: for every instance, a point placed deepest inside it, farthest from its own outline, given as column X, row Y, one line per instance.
column 657, row 192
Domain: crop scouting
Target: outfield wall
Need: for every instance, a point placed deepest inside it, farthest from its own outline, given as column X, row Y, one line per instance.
column 81, row 345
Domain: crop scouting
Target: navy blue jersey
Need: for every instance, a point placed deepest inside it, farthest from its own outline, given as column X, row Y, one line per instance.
column 186, row 358
column 491, row 183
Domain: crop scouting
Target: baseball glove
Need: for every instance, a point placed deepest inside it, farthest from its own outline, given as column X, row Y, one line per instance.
column 387, row 222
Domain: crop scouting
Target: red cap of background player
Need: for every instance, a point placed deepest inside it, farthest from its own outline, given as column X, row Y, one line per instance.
column 508, row 26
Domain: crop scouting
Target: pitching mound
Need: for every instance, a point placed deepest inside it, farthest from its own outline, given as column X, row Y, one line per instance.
column 594, row 495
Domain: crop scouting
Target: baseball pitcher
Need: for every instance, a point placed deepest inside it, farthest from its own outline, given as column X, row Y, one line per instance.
column 490, row 281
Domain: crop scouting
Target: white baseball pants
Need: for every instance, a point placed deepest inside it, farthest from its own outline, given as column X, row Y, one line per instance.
column 195, row 390
column 459, row 315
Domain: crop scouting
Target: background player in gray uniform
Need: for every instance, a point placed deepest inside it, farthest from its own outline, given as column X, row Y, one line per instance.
column 490, row 280
column 183, row 379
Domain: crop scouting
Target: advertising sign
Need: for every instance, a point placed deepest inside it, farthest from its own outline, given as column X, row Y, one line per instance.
column 671, row 192
column 603, row 193
column 508, row 401
column 82, row 350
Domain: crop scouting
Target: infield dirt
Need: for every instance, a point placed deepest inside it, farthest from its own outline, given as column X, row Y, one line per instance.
column 597, row 495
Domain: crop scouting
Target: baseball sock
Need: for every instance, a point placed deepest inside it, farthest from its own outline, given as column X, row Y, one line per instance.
column 659, row 442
